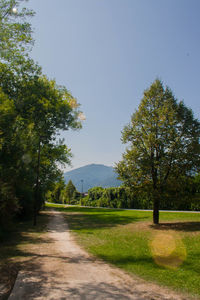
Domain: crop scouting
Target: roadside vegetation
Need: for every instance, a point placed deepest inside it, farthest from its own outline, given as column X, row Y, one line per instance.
column 181, row 195
column 15, row 250
column 167, row 254
column 63, row 193
column 178, row 196
column 33, row 109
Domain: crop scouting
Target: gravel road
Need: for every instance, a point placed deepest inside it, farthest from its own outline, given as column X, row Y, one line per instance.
column 60, row 269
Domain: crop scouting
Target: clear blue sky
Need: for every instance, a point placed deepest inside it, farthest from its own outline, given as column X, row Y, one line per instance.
column 106, row 52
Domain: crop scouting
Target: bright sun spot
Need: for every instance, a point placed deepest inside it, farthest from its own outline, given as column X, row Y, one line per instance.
column 168, row 250
column 14, row 10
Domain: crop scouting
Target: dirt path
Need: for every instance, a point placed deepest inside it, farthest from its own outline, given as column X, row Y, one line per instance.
column 60, row 269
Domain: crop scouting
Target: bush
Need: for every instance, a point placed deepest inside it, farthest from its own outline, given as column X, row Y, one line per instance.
column 8, row 205
column 181, row 195
column 116, row 197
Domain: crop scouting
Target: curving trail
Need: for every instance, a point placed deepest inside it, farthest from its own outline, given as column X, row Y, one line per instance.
column 60, row 269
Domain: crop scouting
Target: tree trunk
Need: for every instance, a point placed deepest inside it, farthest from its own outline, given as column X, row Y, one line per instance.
column 156, row 204
column 36, row 199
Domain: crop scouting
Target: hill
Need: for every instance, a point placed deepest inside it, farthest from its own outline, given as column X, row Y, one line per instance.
column 92, row 175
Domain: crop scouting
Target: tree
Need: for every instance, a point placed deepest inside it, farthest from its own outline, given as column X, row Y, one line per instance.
column 33, row 109
column 69, row 192
column 57, row 193
column 16, row 37
column 163, row 138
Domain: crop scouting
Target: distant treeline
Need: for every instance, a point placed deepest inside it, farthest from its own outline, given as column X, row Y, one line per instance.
column 182, row 194
column 185, row 197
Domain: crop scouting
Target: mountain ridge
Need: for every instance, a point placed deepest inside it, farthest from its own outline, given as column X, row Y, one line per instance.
column 92, row 175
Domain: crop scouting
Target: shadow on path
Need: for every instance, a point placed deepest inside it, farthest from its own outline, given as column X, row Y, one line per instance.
column 57, row 268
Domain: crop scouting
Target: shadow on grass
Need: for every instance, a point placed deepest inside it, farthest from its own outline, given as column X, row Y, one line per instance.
column 84, row 209
column 97, row 221
column 85, row 221
column 178, row 226
column 191, row 262
column 127, row 260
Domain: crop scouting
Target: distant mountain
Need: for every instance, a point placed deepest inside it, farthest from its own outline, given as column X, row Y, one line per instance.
column 92, row 175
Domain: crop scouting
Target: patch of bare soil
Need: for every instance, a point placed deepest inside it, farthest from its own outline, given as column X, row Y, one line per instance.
column 139, row 226
column 187, row 228
column 59, row 269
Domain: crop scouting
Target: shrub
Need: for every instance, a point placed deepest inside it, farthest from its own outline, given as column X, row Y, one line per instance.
column 8, row 205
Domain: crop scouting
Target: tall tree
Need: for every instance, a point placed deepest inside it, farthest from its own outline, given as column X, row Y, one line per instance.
column 57, row 192
column 33, row 109
column 163, row 138
column 32, row 113
column 69, row 192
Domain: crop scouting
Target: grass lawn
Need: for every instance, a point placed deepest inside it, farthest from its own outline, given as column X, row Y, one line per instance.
column 15, row 246
column 168, row 254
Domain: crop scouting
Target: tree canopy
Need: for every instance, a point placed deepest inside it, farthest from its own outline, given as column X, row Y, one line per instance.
column 16, row 39
column 33, row 110
column 163, row 138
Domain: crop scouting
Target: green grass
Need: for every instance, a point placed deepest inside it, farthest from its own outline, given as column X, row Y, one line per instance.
column 127, row 239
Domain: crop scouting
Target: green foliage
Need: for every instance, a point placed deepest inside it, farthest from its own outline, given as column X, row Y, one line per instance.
column 195, row 205
column 30, row 118
column 57, row 193
column 118, row 197
column 71, row 195
column 8, row 205
column 63, row 193
column 181, row 194
column 163, row 138
column 33, row 109
column 15, row 33
column 16, row 37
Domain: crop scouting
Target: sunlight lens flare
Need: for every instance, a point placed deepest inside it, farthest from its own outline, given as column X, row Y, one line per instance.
column 14, row 10
column 167, row 250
